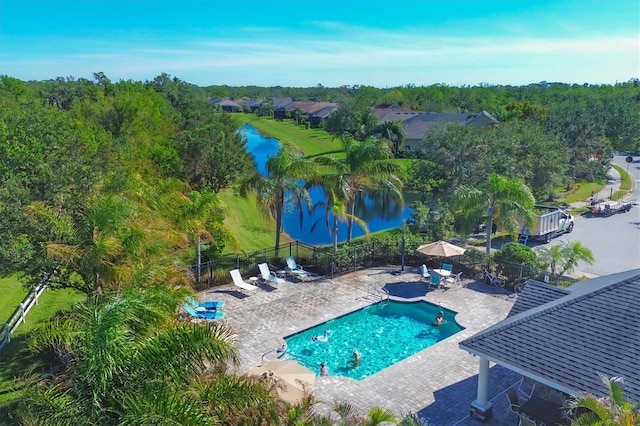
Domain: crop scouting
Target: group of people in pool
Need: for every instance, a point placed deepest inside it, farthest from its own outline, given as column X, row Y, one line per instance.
column 356, row 357
column 355, row 362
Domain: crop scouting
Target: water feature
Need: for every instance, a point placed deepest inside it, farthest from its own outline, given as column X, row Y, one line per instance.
column 369, row 206
column 383, row 334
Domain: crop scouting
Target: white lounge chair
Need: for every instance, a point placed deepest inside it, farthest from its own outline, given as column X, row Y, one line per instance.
column 239, row 282
column 425, row 273
column 294, row 269
column 268, row 275
column 455, row 280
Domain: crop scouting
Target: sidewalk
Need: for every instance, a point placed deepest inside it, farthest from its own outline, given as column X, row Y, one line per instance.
column 613, row 184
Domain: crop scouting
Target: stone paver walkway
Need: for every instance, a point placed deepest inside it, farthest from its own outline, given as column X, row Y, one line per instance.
column 439, row 383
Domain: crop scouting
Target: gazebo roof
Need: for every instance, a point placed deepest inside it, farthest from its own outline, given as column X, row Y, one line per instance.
column 567, row 341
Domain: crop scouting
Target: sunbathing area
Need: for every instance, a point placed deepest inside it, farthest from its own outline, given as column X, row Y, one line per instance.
column 439, row 383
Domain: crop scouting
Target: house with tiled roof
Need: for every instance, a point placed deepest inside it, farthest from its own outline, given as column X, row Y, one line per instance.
column 566, row 338
column 418, row 123
column 228, row 105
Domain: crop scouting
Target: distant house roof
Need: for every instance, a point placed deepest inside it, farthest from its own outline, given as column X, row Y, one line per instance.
column 567, row 341
column 418, row 125
column 278, row 102
column 325, row 111
column 393, row 112
column 228, row 103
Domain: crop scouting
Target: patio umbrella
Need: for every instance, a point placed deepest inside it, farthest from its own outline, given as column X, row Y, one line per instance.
column 291, row 380
column 441, row 249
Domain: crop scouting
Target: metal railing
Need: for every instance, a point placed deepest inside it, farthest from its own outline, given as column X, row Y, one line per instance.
column 20, row 315
column 351, row 257
column 379, row 293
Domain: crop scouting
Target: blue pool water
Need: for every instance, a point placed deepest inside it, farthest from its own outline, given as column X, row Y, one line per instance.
column 384, row 334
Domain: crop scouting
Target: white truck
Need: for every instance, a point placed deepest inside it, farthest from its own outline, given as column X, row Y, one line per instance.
column 548, row 223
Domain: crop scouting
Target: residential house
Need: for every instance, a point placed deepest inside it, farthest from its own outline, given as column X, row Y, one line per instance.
column 418, row 123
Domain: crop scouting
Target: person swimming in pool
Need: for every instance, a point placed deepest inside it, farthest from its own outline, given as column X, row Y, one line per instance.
column 323, row 369
column 355, row 360
column 439, row 319
column 323, row 338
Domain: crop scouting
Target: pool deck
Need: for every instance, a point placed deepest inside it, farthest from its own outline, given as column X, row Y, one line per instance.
column 438, row 383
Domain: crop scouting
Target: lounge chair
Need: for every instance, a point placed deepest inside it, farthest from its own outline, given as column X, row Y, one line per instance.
column 239, row 282
column 425, row 273
column 211, row 315
column 455, row 280
column 436, row 281
column 295, row 269
column 268, row 275
column 208, row 305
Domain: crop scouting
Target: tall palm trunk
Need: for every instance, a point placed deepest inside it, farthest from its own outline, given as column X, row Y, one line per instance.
column 279, row 214
column 335, row 233
column 198, row 258
column 488, row 230
column 352, row 211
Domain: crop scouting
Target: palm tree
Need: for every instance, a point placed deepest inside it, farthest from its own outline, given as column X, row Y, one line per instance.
column 394, row 132
column 564, row 257
column 335, row 208
column 611, row 411
column 284, row 170
column 126, row 360
column 366, row 165
column 501, row 198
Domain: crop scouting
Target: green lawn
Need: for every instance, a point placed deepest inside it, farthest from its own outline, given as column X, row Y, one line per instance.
column 310, row 141
column 15, row 359
column 12, row 293
column 252, row 230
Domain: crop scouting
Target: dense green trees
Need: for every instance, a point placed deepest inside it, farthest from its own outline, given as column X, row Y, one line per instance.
column 500, row 199
column 126, row 360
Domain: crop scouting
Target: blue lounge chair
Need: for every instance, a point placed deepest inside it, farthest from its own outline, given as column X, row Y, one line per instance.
column 436, row 281
column 209, row 305
column 211, row 315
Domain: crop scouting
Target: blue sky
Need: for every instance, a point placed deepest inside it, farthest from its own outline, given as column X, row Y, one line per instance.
column 330, row 42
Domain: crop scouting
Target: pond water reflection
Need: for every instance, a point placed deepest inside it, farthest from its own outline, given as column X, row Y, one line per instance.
column 370, row 206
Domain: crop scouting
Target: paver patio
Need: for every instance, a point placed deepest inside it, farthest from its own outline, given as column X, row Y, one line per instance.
column 439, row 383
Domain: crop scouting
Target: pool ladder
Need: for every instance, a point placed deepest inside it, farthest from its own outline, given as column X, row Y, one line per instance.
column 379, row 293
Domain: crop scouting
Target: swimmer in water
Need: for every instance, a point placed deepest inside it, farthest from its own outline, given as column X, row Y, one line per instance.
column 439, row 319
column 356, row 358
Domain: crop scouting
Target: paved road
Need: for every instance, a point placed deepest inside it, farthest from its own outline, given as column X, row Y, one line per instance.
column 614, row 240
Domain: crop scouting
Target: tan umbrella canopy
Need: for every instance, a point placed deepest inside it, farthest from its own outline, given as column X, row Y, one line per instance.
column 290, row 379
column 441, row 249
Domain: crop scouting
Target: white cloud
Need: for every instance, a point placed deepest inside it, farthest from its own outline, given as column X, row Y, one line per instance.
column 351, row 55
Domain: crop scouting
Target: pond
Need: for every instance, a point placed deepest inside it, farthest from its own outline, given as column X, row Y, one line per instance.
column 370, row 207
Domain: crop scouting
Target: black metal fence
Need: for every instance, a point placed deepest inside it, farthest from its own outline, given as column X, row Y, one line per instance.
column 351, row 257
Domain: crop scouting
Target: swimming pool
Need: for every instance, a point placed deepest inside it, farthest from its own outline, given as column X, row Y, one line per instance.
column 384, row 334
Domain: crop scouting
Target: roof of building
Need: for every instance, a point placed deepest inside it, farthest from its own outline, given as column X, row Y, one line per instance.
column 535, row 294
column 568, row 342
column 228, row 102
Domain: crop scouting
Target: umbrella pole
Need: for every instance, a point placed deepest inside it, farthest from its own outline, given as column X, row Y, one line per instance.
column 403, row 247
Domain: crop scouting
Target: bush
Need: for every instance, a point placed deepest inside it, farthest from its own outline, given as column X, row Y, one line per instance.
column 512, row 256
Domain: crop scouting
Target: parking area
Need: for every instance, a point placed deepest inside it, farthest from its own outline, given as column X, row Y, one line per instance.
column 439, row 383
